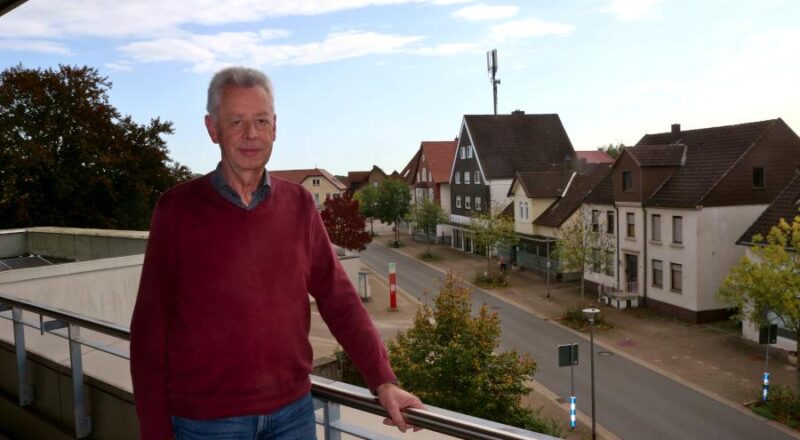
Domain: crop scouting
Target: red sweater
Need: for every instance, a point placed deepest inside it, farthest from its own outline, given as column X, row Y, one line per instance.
column 221, row 322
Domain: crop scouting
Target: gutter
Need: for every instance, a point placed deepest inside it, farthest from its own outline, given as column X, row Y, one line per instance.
column 644, row 265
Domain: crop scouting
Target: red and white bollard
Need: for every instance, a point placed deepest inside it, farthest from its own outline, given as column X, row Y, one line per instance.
column 393, row 286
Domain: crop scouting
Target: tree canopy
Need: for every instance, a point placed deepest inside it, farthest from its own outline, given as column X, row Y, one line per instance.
column 346, row 227
column 393, row 203
column 426, row 216
column 492, row 228
column 70, row 158
column 583, row 246
column 367, row 199
column 769, row 283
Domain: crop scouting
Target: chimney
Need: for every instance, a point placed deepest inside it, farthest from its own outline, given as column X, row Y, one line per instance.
column 518, row 112
column 676, row 129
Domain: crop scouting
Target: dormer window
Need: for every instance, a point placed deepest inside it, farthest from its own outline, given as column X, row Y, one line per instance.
column 758, row 177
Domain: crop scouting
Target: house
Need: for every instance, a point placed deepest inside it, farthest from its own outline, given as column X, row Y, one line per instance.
column 356, row 180
column 428, row 173
column 544, row 202
column 320, row 183
column 491, row 150
column 785, row 206
column 681, row 199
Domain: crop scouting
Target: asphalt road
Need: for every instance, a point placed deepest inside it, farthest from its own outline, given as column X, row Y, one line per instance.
column 632, row 401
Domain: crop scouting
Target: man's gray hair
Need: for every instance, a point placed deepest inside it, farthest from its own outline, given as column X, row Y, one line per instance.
column 236, row 76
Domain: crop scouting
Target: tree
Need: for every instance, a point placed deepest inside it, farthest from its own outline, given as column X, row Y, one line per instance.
column 492, row 228
column 612, row 150
column 426, row 216
column 393, row 204
column 582, row 245
column 449, row 359
column 367, row 199
column 770, row 282
column 69, row 158
column 346, row 227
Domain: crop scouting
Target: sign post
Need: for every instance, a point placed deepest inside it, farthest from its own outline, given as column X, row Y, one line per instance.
column 767, row 335
column 393, row 286
column 568, row 357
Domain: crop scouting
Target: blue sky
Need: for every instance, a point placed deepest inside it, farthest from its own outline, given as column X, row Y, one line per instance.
column 362, row 82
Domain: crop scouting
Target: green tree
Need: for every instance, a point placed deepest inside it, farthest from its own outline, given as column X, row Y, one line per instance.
column 426, row 216
column 769, row 282
column 69, row 158
column 583, row 245
column 449, row 359
column 367, row 199
column 492, row 228
column 612, row 150
column 393, row 204
column 345, row 226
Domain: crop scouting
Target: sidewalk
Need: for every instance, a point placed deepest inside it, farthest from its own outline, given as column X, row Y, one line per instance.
column 711, row 358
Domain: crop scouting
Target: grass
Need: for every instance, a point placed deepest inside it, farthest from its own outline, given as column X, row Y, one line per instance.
column 575, row 318
column 782, row 406
column 395, row 244
column 490, row 280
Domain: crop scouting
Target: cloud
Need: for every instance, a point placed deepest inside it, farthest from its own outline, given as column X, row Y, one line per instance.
column 119, row 67
column 631, row 10
column 208, row 52
column 40, row 46
column 446, row 49
column 485, row 12
column 451, row 2
column 528, row 28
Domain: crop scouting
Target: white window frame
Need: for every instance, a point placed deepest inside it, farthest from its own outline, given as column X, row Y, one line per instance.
column 477, row 203
column 430, row 176
column 469, row 151
column 458, row 201
column 458, row 177
column 672, row 272
column 655, row 226
column 467, row 202
column 466, row 177
column 463, row 153
column 677, row 232
column 477, row 177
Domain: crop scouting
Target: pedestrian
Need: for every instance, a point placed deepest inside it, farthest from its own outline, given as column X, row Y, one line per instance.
column 219, row 334
column 503, row 264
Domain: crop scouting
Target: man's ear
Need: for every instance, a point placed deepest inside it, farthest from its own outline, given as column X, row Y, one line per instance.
column 211, row 126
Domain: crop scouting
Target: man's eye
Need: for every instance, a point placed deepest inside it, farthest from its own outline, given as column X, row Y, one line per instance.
column 262, row 122
column 236, row 123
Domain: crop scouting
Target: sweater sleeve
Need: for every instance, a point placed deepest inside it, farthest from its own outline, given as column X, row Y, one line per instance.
column 148, row 330
column 342, row 310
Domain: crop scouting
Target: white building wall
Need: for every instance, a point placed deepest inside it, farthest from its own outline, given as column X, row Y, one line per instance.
column 628, row 245
column 498, row 192
column 444, row 195
column 668, row 252
column 586, row 209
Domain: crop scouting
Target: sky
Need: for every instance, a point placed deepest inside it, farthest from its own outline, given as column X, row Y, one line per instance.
column 363, row 82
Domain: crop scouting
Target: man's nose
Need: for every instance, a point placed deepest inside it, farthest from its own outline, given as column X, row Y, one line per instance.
column 251, row 131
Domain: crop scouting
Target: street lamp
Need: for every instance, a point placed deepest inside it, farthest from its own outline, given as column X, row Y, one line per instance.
column 590, row 314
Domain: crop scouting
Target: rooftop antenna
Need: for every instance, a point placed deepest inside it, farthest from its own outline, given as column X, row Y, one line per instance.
column 491, row 68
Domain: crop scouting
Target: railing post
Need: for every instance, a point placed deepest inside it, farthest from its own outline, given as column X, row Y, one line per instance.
column 83, row 423
column 25, row 389
column 331, row 415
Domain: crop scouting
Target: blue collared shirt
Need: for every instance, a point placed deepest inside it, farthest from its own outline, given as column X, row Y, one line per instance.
column 228, row 193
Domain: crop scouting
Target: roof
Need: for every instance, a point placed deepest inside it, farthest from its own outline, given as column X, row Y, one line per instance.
column 785, row 206
column 602, row 193
column 506, row 144
column 543, row 184
column 595, row 156
column 409, row 172
column 298, row 176
column 439, row 156
column 658, row 155
column 710, row 153
column 22, row 262
column 561, row 210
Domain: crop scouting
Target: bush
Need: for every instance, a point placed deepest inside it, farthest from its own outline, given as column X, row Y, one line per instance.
column 347, row 370
column 575, row 318
column 428, row 256
column 395, row 244
column 488, row 280
column 782, row 406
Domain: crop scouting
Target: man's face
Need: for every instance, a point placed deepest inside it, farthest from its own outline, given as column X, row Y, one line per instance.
column 245, row 128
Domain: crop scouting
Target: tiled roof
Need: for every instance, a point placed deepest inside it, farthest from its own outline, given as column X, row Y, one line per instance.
column 409, row 173
column 561, row 210
column 543, row 184
column 602, row 193
column 710, row 153
column 785, row 206
column 658, row 155
column 595, row 156
column 357, row 176
column 439, row 156
column 298, row 176
column 507, row 144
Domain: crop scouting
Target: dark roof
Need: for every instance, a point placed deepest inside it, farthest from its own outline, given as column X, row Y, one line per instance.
column 409, row 172
column 602, row 193
column 561, row 210
column 785, row 206
column 710, row 153
column 543, row 184
column 595, row 156
column 506, row 144
column 657, row 155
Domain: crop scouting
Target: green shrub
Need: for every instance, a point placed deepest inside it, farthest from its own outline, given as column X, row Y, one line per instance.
column 488, row 280
column 575, row 318
column 782, row 406
column 428, row 256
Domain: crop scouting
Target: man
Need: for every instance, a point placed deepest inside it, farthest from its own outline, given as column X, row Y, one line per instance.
column 219, row 335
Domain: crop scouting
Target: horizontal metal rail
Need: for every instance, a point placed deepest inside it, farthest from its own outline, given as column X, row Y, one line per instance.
column 357, row 398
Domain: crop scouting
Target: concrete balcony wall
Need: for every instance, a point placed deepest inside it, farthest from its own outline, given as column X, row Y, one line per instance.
column 76, row 244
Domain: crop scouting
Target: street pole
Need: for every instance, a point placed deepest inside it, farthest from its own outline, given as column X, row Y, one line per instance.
column 547, row 253
column 591, row 313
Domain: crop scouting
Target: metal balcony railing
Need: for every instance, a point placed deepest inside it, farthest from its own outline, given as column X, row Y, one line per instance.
column 328, row 395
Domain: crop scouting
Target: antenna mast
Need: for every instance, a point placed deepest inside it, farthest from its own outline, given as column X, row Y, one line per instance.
column 491, row 68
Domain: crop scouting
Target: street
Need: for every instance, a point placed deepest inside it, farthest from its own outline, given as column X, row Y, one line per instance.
column 633, row 402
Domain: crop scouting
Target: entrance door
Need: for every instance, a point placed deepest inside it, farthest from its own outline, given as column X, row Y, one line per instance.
column 631, row 273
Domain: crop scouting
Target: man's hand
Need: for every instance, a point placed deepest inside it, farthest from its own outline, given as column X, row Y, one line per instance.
column 394, row 399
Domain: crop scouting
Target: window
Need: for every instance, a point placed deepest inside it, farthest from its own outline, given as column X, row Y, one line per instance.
column 655, row 223
column 458, row 201
column 430, row 177
column 327, row 196
column 677, row 230
column 463, row 153
column 375, row 184
column 316, row 198
column 595, row 220
column 419, row 179
column 424, row 175
column 758, row 177
column 315, row 182
column 477, row 203
column 627, row 181
column 658, row 273
column 469, row 151
column 609, row 266
column 631, row 223
column 466, row 177
column 458, row 177
column 336, row 196
column 467, row 202
column 676, row 275
column 477, row 177
column 610, row 222
column 523, row 210
column 595, row 256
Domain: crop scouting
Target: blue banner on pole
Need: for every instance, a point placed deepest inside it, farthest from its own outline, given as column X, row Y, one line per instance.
column 572, row 417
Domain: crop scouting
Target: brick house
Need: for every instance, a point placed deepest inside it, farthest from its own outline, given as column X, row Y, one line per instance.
column 428, row 173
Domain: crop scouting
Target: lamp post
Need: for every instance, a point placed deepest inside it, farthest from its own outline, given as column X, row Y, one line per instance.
column 590, row 314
